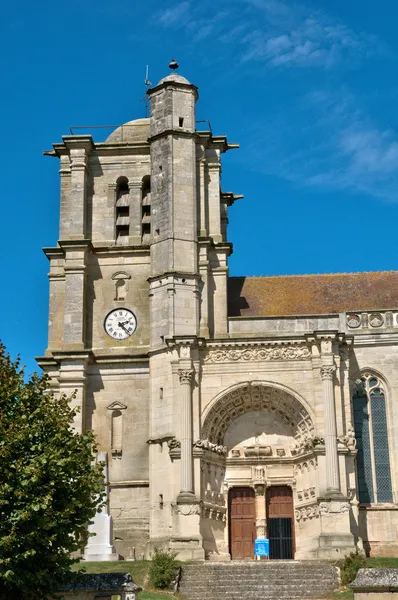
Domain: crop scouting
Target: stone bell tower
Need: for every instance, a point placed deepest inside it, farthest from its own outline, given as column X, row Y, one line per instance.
column 174, row 256
column 174, row 293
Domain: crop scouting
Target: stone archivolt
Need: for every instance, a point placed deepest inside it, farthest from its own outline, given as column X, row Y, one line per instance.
column 261, row 353
column 256, row 396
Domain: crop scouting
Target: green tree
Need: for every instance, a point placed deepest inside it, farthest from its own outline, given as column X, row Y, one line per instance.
column 49, row 486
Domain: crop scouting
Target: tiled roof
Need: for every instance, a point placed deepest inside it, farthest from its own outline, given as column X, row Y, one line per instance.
column 311, row 294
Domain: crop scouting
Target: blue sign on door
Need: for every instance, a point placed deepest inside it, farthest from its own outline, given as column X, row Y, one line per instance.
column 261, row 547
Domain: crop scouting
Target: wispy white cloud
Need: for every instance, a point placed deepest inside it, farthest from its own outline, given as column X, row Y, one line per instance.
column 174, row 15
column 292, row 35
column 277, row 33
column 335, row 146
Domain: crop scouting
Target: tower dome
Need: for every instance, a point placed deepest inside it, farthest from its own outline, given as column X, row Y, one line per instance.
column 133, row 131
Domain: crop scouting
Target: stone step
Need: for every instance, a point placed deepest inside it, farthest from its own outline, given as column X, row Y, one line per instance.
column 268, row 580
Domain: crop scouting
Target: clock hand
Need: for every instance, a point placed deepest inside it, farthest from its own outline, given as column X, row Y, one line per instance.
column 123, row 327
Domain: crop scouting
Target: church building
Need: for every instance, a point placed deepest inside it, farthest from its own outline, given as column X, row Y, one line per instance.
column 230, row 409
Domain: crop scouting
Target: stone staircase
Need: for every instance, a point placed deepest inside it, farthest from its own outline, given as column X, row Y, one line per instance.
column 265, row 580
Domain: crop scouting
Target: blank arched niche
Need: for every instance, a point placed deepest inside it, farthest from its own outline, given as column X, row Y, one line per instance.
column 121, row 279
column 116, row 413
column 122, row 211
column 146, row 209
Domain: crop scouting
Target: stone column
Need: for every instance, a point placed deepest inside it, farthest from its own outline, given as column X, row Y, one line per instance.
column 186, row 494
column 331, row 456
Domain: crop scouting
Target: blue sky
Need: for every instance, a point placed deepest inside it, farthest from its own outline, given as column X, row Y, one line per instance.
column 308, row 89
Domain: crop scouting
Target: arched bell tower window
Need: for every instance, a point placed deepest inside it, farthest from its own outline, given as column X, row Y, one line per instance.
column 122, row 211
column 370, row 424
column 146, row 210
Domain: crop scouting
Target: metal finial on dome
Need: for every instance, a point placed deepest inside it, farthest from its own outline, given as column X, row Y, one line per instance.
column 173, row 65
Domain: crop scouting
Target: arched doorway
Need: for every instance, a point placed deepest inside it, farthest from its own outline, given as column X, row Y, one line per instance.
column 255, row 436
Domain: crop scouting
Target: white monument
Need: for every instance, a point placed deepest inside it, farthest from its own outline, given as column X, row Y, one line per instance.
column 100, row 546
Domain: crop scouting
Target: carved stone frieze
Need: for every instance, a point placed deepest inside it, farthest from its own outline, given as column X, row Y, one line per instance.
column 333, row 507
column 260, row 353
column 306, row 513
column 216, row 513
column 305, row 494
column 187, row 509
column 305, row 466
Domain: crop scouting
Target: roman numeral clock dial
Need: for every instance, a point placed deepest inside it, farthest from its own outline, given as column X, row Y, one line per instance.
column 120, row 323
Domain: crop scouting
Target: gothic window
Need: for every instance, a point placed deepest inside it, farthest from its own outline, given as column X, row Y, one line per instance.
column 122, row 211
column 370, row 424
column 146, row 210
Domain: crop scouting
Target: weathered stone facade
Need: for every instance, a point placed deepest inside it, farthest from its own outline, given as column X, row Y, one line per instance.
column 209, row 389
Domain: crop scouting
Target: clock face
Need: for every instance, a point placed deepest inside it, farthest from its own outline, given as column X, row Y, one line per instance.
column 120, row 323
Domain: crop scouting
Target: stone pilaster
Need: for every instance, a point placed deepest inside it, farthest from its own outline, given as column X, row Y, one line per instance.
column 73, row 225
column 330, row 433
column 186, row 494
column 214, row 198
column 73, row 382
column 74, row 301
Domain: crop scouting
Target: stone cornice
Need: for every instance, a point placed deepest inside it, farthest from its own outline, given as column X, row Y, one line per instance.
column 175, row 132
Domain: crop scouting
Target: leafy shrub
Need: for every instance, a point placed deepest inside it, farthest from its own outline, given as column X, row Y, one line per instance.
column 350, row 566
column 162, row 569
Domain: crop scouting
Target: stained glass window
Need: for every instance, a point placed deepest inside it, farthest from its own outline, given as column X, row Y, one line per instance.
column 370, row 425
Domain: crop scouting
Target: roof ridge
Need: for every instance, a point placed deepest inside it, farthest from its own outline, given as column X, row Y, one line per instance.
column 310, row 274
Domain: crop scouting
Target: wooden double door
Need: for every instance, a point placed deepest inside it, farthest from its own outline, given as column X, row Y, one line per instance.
column 242, row 522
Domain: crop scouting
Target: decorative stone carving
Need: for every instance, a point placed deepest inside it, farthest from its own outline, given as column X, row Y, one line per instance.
column 306, row 512
column 280, row 452
column 306, row 444
column 216, row 513
column 211, row 447
column 259, row 474
column 349, row 440
column 235, row 453
column 261, row 525
column 291, row 352
column 333, row 508
column 257, row 450
column 376, row 320
column 305, row 467
column 185, row 376
column 256, row 396
column 327, row 371
column 187, row 509
column 306, row 494
column 174, row 443
column 353, row 321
